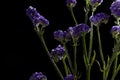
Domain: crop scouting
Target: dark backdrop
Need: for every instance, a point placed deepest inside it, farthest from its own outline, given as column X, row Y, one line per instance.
column 23, row 52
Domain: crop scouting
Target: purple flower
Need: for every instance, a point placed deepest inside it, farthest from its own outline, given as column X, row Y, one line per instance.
column 57, row 53
column 35, row 17
column 69, row 77
column 115, row 8
column 71, row 3
column 93, row 2
column 99, row 18
column 78, row 30
column 115, row 29
column 38, row 76
column 62, row 36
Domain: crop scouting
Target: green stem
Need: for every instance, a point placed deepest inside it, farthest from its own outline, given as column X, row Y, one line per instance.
column 100, row 46
column 73, row 16
column 91, row 40
column 65, row 67
column 75, row 59
column 68, row 57
column 101, row 53
column 88, row 72
column 84, row 47
column 86, row 57
column 110, row 63
column 114, row 56
column 40, row 35
column 115, row 68
column 115, row 73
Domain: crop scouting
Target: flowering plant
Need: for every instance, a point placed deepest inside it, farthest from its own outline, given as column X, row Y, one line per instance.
column 73, row 35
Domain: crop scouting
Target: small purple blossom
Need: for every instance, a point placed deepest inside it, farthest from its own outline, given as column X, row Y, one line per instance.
column 115, row 29
column 71, row 3
column 62, row 36
column 93, row 2
column 35, row 17
column 57, row 53
column 115, row 8
column 69, row 77
column 38, row 76
column 99, row 18
column 78, row 30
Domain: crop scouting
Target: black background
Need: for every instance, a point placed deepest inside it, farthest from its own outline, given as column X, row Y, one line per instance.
column 22, row 50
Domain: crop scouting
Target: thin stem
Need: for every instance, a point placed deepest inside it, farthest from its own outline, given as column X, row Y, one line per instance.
column 68, row 57
column 65, row 67
column 110, row 63
column 84, row 47
column 115, row 73
column 40, row 35
column 88, row 72
column 100, row 46
column 75, row 59
column 115, row 68
column 91, row 40
column 73, row 16
column 86, row 57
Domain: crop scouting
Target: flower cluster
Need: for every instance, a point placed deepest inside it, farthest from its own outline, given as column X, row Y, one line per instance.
column 71, row 3
column 99, row 18
column 62, row 36
column 78, row 30
column 69, row 77
column 57, row 53
column 73, row 34
column 38, row 76
column 115, row 9
column 35, row 17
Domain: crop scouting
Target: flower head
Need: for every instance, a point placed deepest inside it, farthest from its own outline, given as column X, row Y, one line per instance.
column 99, row 18
column 115, row 8
column 71, row 3
column 115, row 32
column 35, row 17
column 57, row 53
column 62, row 36
column 69, row 77
column 115, row 29
column 38, row 76
column 78, row 30
column 96, row 1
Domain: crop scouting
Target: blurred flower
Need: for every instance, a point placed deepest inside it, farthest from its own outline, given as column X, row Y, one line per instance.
column 78, row 30
column 71, row 3
column 38, row 76
column 115, row 8
column 57, row 53
column 115, row 29
column 96, row 1
column 69, row 77
column 99, row 18
column 115, row 32
column 62, row 36
column 35, row 17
